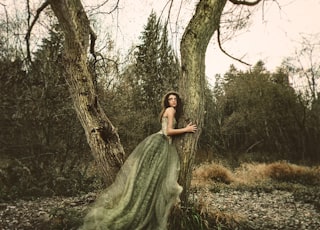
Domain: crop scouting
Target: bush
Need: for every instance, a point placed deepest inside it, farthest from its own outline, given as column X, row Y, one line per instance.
column 286, row 172
column 45, row 178
column 212, row 172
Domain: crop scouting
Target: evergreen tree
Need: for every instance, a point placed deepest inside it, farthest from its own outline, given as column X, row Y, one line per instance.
column 169, row 70
column 147, row 64
column 157, row 68
column 154, row 72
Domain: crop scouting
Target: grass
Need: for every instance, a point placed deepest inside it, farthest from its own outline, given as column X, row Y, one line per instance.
column 212, row 172
column 198, row 216
column 253, row 173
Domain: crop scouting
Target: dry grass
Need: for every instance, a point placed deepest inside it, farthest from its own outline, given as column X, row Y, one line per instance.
column 211, row 172
column 283, row 171
column 251, row 173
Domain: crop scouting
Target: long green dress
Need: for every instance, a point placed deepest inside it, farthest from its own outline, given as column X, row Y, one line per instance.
column 144, row 190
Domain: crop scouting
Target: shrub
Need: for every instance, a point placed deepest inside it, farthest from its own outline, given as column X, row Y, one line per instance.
column 251, row 173
column 31, row 179
column 286, row 172
column 212, row 172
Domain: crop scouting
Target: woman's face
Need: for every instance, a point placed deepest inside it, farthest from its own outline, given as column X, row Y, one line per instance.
column 172, row 99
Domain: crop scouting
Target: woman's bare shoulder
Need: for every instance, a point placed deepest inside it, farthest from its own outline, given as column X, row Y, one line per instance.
column 169, row 111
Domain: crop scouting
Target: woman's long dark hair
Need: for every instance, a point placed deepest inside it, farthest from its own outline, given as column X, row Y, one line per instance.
column 165, row 104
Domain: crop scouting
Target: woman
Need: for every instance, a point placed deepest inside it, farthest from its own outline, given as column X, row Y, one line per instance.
column 146, row 186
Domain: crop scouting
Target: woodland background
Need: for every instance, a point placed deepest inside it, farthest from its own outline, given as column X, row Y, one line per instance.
column 251, row 116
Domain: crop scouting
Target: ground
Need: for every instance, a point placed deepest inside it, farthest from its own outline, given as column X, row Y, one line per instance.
column 266, row 209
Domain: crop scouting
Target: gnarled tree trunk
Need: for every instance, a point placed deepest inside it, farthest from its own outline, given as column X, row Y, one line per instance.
column 101, row 134
column 193, row 48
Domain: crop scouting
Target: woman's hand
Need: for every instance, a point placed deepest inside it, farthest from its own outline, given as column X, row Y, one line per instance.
column 191, row 128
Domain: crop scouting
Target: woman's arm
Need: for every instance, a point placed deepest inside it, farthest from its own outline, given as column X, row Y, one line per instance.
column 169, row 113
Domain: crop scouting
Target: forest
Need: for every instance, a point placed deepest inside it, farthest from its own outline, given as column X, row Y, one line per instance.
column 260, row 134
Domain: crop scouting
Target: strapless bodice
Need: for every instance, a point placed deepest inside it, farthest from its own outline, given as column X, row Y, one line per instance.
column 164, row 126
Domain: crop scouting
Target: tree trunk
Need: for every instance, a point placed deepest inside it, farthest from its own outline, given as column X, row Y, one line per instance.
column 101, row 135
column 193, row 47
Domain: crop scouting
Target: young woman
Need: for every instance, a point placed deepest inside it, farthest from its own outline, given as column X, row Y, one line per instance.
column 146, row 186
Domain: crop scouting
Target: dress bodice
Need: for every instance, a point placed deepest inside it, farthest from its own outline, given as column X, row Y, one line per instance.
column 164, row 126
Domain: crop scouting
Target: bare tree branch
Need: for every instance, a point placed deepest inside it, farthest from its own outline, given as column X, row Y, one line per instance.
column 226, row 53
column 27, row 37
column 246, row 3
column 116, row 6
column 93, row 38
column 240, row 2
column 169, row 12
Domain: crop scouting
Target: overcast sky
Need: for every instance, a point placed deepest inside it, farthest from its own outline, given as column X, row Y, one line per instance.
column 272, row 35
column 271, row 39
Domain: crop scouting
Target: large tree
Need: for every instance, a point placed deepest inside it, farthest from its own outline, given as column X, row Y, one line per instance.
column 204, row 23
column 101, row 135
column 197, row 35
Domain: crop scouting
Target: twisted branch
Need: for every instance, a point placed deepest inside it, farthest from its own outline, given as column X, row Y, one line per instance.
column 240, row 2
column 27, row 37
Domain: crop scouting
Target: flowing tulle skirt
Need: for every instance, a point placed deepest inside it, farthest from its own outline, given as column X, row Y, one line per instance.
column 144, row 191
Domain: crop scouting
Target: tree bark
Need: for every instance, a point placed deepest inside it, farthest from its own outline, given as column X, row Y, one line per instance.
column 101, row 135
column 193, row 48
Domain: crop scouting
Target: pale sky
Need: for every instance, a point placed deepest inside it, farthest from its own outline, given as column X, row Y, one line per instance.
column 272, row 36
column 271, row 39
